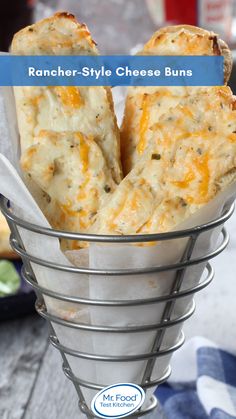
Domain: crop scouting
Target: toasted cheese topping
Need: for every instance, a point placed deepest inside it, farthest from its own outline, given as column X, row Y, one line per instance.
column 189, row 159
column 202, row 165
column 184, row 40
column 145, row 105
column 88, row 110
column 60, row 34
column 143, row 124
column 232, row 137
column 63, row 109
column 183, row 184
column 84, row 152
column 69, row 96
column 72, row 172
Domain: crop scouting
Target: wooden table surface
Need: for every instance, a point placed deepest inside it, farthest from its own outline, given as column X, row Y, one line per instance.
column 32, row 384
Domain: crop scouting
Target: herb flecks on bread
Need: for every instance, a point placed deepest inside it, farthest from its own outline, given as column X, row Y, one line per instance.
column 72, row 172
column 178, row 143
column 61, row 127
column 89, row 110
column 145, row 105
column 190, row 158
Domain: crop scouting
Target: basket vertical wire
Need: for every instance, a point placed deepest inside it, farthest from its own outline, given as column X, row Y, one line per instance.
column 160, row 328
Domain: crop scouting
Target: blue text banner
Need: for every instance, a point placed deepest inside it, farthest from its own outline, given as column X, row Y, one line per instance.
column 111, row 70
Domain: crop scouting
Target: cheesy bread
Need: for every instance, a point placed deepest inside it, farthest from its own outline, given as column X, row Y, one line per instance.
column 145, row 105
column 190, row 158
column 84, row 109
column 72, row 172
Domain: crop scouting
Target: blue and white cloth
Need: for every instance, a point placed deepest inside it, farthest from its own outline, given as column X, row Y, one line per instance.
column 203, row 383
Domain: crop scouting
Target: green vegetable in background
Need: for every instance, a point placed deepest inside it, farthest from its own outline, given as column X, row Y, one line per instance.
column 9, row 278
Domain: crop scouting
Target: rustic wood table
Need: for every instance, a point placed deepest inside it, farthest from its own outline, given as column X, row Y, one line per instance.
column 32, row 384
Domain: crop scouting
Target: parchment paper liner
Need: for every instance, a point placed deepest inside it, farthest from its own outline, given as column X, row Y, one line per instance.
column 110, row 256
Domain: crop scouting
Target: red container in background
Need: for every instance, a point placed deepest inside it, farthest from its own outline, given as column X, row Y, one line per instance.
column 215, row 15
column 181, row 11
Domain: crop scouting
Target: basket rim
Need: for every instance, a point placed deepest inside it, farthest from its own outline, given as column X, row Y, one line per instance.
column 98, row 238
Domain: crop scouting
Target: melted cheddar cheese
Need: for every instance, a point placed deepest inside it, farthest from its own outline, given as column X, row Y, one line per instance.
column 69, row 96
column 188, row 178
column 145, row 105
column 72, row 172
column 60, row 109
column 189, row 157
column 143, row 124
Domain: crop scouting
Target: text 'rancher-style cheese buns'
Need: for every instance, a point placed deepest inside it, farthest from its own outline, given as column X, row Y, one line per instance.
column 190, row 159
column 70, row 168
column 145, row 105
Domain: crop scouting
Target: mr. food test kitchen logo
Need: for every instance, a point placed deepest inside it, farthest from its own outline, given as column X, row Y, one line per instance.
column 118, row 401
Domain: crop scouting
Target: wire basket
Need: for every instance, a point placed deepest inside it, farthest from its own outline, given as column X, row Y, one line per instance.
column 169, row 300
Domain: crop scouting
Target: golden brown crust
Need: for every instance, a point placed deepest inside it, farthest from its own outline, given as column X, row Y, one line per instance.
column 86, row 109
column 219, row 47
column 67, row 15
column 228, row 60
column 71, row 17
column 72, row 171
column 177, row 28
column 190, row 158
column 143, row 104
column 60, row 34
column 234, row 102
column 65, row 112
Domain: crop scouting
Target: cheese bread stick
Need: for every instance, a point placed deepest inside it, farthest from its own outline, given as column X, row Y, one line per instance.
column 145, row 105
column 85, row 109
column 71, row 171
column 190, row 159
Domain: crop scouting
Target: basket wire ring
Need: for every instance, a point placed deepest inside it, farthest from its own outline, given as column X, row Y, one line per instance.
column 177, row 292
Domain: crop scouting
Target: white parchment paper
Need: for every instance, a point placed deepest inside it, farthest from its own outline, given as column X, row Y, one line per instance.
column 105, row 256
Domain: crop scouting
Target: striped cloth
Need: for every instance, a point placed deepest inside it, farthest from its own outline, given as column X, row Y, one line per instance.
column 202, row 385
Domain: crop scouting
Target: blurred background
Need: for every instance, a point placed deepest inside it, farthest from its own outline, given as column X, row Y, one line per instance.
column 118, row 25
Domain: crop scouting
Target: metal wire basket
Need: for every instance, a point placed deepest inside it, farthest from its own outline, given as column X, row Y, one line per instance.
column 177, row 292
